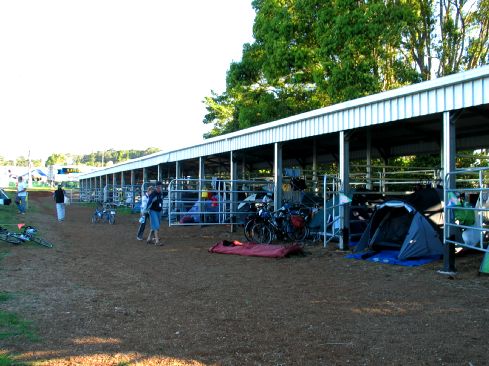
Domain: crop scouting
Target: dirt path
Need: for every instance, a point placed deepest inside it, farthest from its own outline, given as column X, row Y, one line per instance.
column 102, row 298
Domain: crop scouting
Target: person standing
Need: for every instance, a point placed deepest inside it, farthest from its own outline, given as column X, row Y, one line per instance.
column 154, row 206
column 59, row 198
column 20, row 199
column 144, row 213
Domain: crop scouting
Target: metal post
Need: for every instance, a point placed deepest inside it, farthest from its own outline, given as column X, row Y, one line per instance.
column 233, row 194
column 277, row 175
column 201, row 188
column 369, row 160
column 345, row 188
column 449, row 151
column 314, row 166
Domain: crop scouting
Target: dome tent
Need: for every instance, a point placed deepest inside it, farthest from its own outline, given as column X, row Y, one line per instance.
column 396, row 225
column 4, row 199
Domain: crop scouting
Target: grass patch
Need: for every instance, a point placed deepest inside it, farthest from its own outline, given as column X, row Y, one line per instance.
column 12, row 326
column 7, row 360
column 4, row 296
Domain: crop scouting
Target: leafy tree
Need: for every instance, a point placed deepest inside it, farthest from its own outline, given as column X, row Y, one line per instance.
column 56, row 159
column 22, row 161
column 311, row 53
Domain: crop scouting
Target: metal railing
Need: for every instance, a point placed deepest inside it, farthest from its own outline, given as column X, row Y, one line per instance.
column 466, row 225
column 213, row 201
column 389, row 179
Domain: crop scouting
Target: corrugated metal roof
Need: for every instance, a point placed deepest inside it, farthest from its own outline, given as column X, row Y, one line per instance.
column 462, row 90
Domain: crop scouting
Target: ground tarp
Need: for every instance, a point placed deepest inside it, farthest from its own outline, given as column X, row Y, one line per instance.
column 392, row 257
column 255, row 250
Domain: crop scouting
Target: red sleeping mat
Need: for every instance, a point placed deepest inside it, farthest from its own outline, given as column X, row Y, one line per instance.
column 254, row 250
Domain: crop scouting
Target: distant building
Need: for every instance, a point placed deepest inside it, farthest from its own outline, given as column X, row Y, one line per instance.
column 67, row 173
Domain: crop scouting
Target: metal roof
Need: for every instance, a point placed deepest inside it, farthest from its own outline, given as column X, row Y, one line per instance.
column 455, row 92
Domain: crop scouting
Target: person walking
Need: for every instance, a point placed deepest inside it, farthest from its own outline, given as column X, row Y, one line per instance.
column 21, row 197
column 144, row 213
column 59, row 198
column 154, row 207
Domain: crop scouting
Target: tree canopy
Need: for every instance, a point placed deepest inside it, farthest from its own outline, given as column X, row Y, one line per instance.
column 309, row 54
column 99, row 158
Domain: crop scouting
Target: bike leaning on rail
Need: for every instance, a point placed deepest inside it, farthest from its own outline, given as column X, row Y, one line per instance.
column 285, row 224
column 29, row 233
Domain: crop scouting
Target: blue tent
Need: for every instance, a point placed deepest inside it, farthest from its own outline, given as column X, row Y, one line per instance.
column 396, row 225
column 4, row 200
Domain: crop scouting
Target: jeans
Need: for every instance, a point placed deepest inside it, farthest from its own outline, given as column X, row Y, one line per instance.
column 60, row 210
column 143, row 226
column 21, row 204
column 155, row 217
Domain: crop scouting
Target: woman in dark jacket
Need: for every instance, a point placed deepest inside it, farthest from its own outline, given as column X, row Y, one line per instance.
column 154, row 207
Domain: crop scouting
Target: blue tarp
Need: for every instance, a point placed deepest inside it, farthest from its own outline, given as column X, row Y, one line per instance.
column 390, row 257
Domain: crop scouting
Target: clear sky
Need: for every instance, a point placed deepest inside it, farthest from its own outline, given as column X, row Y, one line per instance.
column 91, row 75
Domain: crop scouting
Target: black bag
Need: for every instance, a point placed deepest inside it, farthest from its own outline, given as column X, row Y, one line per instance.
column 157, row 203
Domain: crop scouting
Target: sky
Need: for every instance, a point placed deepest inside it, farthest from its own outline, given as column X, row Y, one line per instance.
column 84, row 76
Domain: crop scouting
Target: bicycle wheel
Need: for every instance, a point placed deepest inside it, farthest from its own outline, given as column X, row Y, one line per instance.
column 11, row 239
column 95, row 218
column 297, row 233
column 41, row 241
column 248, row 229
column 262, row 233
column 111, row 218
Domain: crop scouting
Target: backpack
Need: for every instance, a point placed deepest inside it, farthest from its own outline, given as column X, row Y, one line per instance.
column 157, row 203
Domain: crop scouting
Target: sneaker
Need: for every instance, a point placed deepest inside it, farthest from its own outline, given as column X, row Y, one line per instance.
column 138, row 238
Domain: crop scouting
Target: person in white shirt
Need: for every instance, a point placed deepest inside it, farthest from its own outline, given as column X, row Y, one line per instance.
column 144, row 213
column 20, row 199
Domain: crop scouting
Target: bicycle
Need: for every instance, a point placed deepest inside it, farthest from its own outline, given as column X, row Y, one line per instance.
column 283, row 224
column 29, row 233
column 103, row 213
column 9, row 237
column 250, row 221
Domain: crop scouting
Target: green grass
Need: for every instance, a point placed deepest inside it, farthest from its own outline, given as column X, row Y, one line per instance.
column 7, row 360
column 4, row 296
column 13, row 326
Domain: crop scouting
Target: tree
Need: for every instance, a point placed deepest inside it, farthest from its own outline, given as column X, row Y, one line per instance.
column 312, row 53
column 56, row 159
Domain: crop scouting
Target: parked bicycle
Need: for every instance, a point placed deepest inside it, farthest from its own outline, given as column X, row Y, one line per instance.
column 287, row 223
column 252, row 219
column 29, row 233
column 104, row 212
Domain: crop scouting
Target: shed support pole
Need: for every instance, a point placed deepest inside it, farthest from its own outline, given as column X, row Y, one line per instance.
column 100, row 188
column 314, row 166
column 277, row 175
column 233, row 194
column 202, row 186
column 133, row 178
column 449, row 153
column 178, row 170
column 369, row 160
column 345, row 189
column 145, row 176
column 114, row 188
